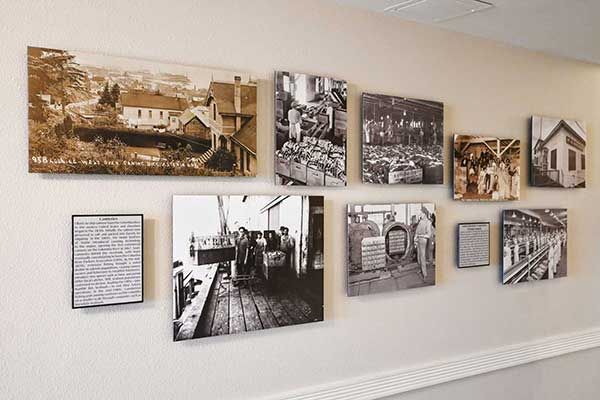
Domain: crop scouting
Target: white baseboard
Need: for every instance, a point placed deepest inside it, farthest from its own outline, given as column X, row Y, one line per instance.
column 395, row 382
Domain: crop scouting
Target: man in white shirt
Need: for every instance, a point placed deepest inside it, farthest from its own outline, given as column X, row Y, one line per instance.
column 423, row 234
column 294, row 118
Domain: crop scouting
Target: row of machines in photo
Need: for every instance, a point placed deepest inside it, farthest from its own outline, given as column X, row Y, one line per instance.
column 266, row 258
column 534, row 241
column 310, row 127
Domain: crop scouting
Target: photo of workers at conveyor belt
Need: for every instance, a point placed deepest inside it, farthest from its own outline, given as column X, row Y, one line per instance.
column 402, row 140
column 486, row 168
column 310, row 130
column 535, row 245
column 390, row 247
column 245, row 263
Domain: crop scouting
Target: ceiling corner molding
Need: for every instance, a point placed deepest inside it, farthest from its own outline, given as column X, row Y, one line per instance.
column 401, row 381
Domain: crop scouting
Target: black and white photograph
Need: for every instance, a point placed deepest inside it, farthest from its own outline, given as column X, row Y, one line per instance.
column 96, row 114
column 246, row 263
column 310, row 130
column 558, row 152
column 486, row 168
column 535, row 244
column 390, row 247
column 402, row 140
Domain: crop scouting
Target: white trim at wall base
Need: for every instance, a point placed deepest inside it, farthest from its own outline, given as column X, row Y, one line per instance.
column 379, row 386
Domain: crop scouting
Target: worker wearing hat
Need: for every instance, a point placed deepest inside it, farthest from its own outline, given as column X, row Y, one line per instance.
column 423, row 233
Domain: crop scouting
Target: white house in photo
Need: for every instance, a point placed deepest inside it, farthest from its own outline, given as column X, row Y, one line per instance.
column 558, row 154
column 149, row 110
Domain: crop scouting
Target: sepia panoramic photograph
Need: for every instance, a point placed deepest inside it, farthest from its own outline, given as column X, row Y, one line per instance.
column 246, row 263
column 96, row 114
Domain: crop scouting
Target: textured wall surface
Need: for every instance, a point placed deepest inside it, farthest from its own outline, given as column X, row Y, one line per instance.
column 50, row 351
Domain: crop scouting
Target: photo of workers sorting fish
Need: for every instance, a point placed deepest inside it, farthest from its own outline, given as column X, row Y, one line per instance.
column 310, row 130
column 402, row 140
column 246, row 263
column 390, row 247
column 535, row 245
column 486, row 168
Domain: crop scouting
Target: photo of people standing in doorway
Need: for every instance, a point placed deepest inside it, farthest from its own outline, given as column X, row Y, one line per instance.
column 245, row 263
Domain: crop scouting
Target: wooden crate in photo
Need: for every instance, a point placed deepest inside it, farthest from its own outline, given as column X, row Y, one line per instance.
column 283, row 166
column 333, row 181
column 407, row 176
column 298, row 171
column 315, row 177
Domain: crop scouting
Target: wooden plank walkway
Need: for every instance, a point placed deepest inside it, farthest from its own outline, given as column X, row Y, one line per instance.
column 252, row 306
column 192, row 314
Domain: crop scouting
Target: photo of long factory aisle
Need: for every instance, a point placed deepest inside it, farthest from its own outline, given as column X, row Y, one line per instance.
column 390, row 247
column 246, row 263
column 535, row 245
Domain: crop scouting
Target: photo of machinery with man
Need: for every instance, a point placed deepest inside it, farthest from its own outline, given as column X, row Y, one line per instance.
column 390, row 247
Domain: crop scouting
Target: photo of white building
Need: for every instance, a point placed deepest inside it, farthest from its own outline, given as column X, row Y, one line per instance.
column 558, row 157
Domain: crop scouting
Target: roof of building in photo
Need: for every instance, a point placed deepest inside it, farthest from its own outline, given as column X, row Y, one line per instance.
column 224, row 95
column 196, row 113
column 403, row 103
column 498, row 146
column 572, row 127
column 153, row 100
column 246, row 136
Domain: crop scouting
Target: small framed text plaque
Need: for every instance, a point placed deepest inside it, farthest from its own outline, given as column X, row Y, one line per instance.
column 473, row 244
column 108, row 259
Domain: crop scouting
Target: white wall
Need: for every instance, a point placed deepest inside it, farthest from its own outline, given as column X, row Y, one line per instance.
column 50, row 351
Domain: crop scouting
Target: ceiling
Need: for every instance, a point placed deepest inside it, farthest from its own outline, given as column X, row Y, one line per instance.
column 568, row 28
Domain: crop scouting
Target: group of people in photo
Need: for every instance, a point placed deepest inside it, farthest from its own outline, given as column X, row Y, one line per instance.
column 518, row 247
column 401, row 136
column 388, row 131
column 486, row 176
column 251, row 248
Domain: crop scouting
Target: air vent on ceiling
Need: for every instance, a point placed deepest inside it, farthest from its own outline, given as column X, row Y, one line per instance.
column 437, row 10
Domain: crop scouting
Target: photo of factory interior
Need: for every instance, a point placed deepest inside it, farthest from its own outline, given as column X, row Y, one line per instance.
column 486, row 168
column 310, row 130
column 390, row 247
column 402, row 140
column 535, row 245
column 244, row 263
